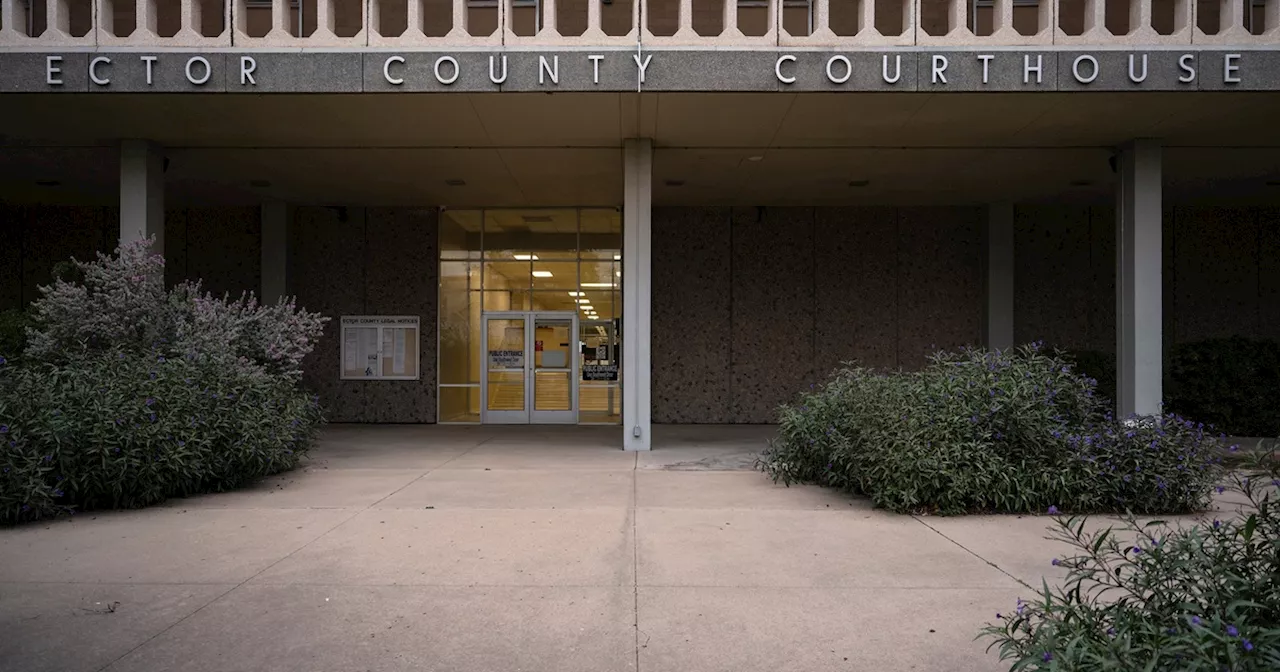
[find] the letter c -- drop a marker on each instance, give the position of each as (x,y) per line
(386,70)
(777,69)
(93,70)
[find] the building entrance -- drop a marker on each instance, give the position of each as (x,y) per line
(530,316)
(531,367)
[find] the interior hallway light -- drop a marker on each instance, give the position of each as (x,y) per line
(526,257)
(542,274)
(575,293)
(599,285)
(617,257)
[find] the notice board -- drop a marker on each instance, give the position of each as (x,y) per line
(379,347)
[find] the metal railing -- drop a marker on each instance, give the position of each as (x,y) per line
(856,24)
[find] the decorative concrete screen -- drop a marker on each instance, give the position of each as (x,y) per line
(379,347)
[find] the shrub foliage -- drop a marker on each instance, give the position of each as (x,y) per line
(1148,596)
(128,393)
(977,430)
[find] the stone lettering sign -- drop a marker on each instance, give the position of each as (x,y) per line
(639,70)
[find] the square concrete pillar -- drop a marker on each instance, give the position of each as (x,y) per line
(142,193)
(998,322)
(1139,298)
(275,251)
(637,264)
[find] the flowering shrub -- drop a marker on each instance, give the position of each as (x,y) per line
(1013,431)
(127,394)
(1152,597)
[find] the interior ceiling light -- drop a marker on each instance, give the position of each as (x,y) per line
(599,285)
(526,257)
(859,183)
(583,301)
(755,158)
(617,257)
(542,274)
(575,293)
(455,182)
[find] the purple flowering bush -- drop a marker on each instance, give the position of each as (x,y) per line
(1149,596)
(976,430)
(127,393)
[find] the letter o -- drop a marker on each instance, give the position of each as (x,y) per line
(386,70)
(93,70)
(848,69)
(208,71)
(1075,68)
(456,70)
(777,69)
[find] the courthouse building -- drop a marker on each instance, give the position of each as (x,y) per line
(634,212)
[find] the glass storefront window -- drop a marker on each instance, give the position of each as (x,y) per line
(552,260)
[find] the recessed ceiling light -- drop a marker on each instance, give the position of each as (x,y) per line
(617,257)
(575,293)
(48,183)
(598,285)
(675,183)
(455,182)
(583,301)
(859,183)
(755,158)
(526,257)
(542,274)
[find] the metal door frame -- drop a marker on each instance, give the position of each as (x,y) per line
(528,415)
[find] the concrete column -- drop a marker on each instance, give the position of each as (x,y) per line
(275,251)
(141,193)
(1138,286)
(998,326)
(637,225)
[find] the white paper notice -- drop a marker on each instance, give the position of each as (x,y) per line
(352,340)
(369,351)
(397,361)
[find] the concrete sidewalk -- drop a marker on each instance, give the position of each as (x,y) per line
(504,549)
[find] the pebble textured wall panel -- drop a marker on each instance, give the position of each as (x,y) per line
(51,234)
(1216,273)
(772,337)
(856,285)
(379,261)
(400,279)
(940,279)
(223,248)
(691,315)
(1050,244)
(327,276)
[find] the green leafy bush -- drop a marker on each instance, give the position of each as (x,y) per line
(1155,597)
(1229,383)
(128,394)
(1014,431)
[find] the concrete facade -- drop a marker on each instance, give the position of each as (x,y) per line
(750,305)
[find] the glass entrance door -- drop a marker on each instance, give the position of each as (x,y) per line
(530,368)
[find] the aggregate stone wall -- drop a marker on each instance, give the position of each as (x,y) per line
(367,261)
(752,305)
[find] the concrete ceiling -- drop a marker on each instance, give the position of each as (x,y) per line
(712,148)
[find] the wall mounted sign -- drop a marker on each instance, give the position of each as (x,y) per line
(379,347)
(600,372)
(1184,68)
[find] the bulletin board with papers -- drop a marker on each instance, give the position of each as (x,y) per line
(379,347)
